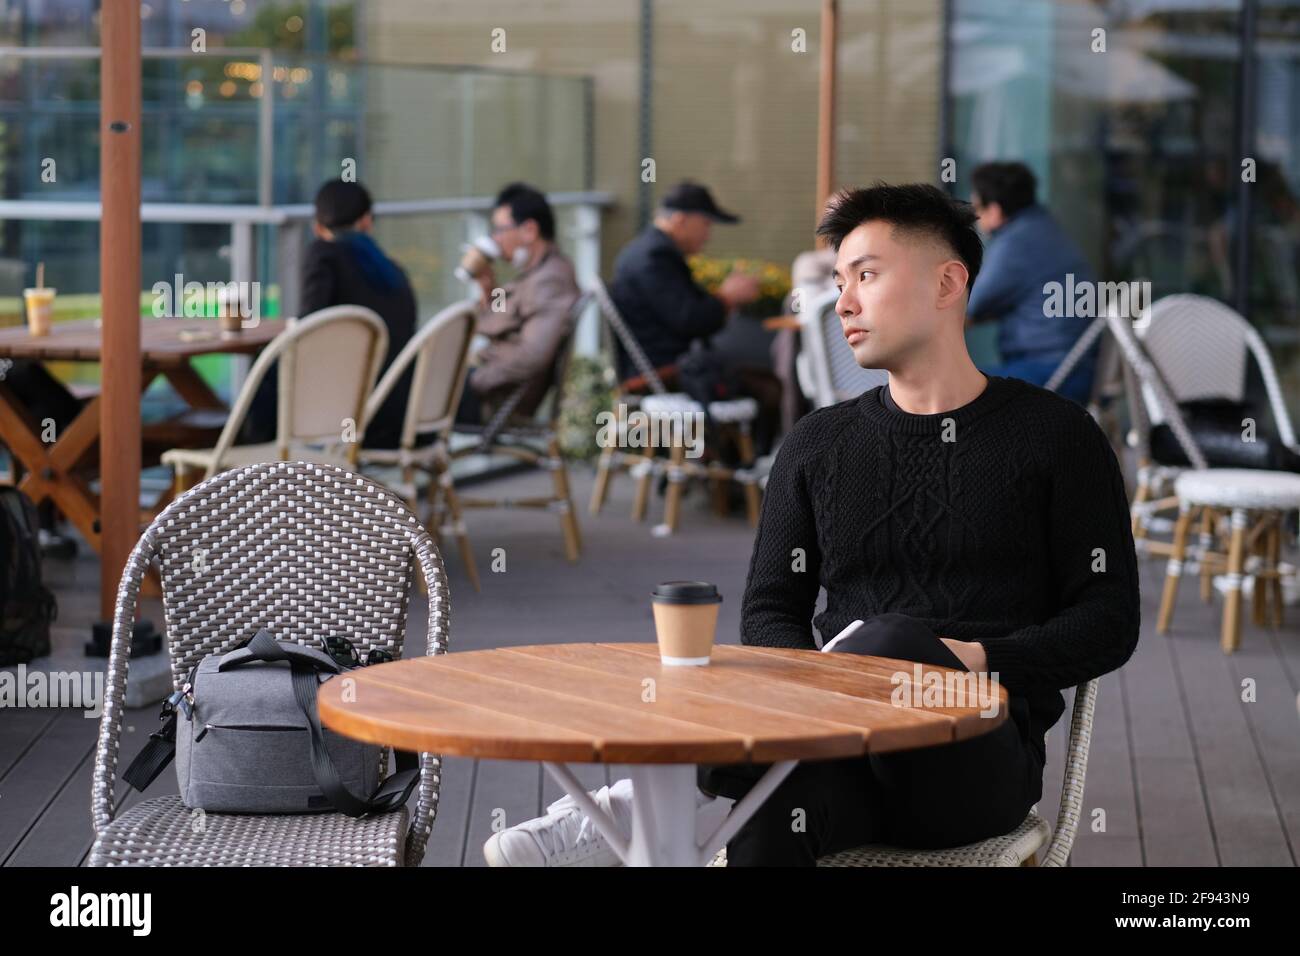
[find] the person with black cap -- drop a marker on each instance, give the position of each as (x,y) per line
(345,266)
(654,289)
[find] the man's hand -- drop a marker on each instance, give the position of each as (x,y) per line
(738,288)
(970,653)
(487,281)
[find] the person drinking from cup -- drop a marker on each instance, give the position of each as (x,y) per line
(969,521)
(526,319)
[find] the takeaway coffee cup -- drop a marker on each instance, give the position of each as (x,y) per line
(40,310)
(686,617)
(229,318)
(476,257)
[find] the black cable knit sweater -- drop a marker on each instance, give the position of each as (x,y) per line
(1013,532)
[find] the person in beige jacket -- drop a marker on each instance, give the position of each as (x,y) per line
(528,318)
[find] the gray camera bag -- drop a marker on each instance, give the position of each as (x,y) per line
(248,739)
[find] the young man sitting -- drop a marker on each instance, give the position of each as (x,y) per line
(972,521)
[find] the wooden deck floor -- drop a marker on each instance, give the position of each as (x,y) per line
(1182,772)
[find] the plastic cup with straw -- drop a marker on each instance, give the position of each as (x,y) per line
(40,304)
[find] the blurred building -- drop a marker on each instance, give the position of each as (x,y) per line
(1168,142)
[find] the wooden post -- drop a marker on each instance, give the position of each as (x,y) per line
(826,109)
(119,281)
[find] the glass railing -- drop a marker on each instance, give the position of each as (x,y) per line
(236,143)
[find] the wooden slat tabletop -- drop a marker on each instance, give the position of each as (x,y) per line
(615,703)
(162,341)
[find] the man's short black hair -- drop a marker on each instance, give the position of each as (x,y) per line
(526,203)
(340,204)
(1011,185)
(911,208)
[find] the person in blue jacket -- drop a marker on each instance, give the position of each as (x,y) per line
(1027,252)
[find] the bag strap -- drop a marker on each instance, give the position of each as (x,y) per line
(264,647)
(391,794)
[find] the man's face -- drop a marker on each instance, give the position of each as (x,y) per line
(510,235)
(692,232)
(889,285)
(990,214)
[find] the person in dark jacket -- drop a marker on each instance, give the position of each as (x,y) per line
(345,266)
(653,286)
(1027,252)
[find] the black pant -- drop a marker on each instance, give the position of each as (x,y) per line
(943,796)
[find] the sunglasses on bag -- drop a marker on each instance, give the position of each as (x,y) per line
(345,653)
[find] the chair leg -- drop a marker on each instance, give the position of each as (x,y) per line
(676,485)
(568,519)
(413,499)
(1275,559)
(1208,517)
(462,536)
(1259,592)
(752,503)
(1141,494)
(1231,630)
(601,488)
(643,484)
(1174,569)
(433,523)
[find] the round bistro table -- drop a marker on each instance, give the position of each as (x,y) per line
(616,703)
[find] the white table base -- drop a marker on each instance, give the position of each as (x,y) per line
(663,813)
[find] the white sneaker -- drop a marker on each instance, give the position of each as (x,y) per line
(565,836)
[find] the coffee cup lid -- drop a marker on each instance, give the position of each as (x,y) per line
(686,592)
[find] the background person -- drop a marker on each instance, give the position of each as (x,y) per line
(531,317)
(344,265)
(1026,250)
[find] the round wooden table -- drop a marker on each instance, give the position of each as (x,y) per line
(616,703)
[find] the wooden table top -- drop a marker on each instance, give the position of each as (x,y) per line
(595,703)
(162,341)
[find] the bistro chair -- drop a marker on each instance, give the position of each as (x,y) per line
(534,440)
(1244,507)
(306,551)
(327,363)
(828,373)
(1020,847)
(647,393)
(437,360)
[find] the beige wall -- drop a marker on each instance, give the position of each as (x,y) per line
(734,106)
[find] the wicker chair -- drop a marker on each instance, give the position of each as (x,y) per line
(534,441)
(828,372)
(737,414)
(304,550)
(1017,848)
(436,358)
(327,364)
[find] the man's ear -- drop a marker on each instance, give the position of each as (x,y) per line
(365,223)
(320,231)
(953,277)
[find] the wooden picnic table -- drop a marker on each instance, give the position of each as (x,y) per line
(616,703)
(53,470)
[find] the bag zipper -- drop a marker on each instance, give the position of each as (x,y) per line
(262,727)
